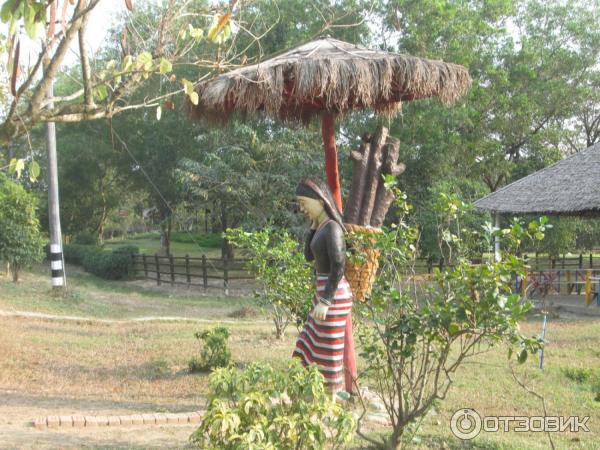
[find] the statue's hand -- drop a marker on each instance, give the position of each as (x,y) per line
(320,311)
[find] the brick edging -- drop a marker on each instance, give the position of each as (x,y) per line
(79,421)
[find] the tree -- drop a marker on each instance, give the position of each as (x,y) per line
(193,33)
(20,240)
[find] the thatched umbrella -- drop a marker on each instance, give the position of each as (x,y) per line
(570,187)
(327,77)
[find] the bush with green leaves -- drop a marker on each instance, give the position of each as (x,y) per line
(417,332)
(110,265)
(214,352)
(283,273)
(264,408)
(21,242)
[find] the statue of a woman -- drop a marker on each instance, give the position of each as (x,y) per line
(322,340)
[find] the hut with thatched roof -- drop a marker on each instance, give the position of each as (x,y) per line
(332,75)
(569,187)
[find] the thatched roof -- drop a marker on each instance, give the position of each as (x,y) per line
(569,187)
(327,74)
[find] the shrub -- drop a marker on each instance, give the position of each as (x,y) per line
(577,374)
(283,273)
(264,408)
(214,352)
(115,265)
(21,242)
(416,334)
(75,253)
(86,238)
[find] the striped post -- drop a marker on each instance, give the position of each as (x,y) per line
(56,266)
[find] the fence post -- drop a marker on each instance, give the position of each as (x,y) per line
(204,274)
(187,269)
(172,269)
(441,264)
(157,269)
(588,287)
(537,261)
(563,261)
(581,260)
(145,265)
(226,275)
(591,261)
(553,263)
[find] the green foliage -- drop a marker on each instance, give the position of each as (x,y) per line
(86,238)
(282,271)
(21,242)
(264,408)
(214,352)
(114,265)
(433,326)
(578,374)
(212,240)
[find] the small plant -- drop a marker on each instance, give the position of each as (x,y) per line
(155,369)
(577,374)
(283,273)
(214,352)
(264,408)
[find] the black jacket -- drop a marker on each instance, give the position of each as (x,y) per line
(327,247)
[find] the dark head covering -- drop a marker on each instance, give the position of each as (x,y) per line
(319,190)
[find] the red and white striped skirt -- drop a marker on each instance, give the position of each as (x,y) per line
(322,341)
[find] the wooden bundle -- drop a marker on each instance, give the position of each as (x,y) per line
(369,201)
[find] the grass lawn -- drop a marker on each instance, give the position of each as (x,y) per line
(51,366)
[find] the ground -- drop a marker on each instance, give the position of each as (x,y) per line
(104,349)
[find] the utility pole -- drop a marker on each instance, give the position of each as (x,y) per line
(56,254)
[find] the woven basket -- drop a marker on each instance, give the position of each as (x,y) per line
(361,276)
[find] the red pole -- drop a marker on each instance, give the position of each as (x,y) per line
(333,179)
(331,163)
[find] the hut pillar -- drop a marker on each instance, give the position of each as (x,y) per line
(497,238)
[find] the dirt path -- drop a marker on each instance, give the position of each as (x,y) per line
(37,315)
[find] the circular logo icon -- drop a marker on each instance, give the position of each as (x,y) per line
(465,424)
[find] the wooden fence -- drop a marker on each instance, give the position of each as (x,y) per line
(219,273)
(192,271)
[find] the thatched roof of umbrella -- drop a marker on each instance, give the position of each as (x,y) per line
(569,187)
(331,75)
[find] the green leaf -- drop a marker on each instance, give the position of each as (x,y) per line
(165,66)
(12,165)
(188,87)
(101,92)
(144,61)
(158,113)
(6,11)
(522,356)
(194,98)
(34,171)
(127,63)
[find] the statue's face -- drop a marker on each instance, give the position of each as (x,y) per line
(311,207)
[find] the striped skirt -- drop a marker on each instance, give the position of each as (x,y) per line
(322,341)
